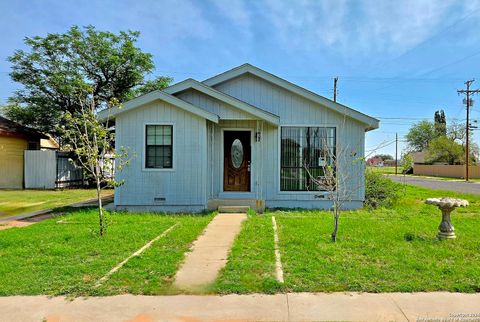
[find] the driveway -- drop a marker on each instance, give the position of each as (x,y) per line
(456,186)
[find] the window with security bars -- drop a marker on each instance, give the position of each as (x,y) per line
(159,146)
(305,153)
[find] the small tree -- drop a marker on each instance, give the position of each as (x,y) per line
(406,163)
(334,178)
(92,141)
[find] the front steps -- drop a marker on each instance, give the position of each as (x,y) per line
(233,209)
(236,205)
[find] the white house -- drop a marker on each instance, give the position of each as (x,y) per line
(242,137)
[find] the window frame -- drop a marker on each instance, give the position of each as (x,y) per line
(312,193)
(144,148)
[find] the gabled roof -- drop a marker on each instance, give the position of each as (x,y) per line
(14,129)
(153,96)
(372,123)
(241,105)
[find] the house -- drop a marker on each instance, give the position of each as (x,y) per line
(375,162)
(242,137)
(14,140)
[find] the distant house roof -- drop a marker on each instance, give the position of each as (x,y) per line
(14,129)
(419,157)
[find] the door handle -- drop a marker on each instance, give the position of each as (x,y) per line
(248,167)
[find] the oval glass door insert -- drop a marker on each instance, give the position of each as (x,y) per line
(236,153)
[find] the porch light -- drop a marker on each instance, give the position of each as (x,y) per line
(257,136)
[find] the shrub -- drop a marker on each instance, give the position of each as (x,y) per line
(380,191)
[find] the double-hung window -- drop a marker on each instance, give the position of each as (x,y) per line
(159,147)
(305,153)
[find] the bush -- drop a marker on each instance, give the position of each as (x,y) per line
(380,191)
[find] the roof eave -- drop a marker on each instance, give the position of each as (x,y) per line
(230,100)
(111,113)
(247,68)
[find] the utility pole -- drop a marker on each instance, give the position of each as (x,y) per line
(396,153)
(468,102)
(335,80)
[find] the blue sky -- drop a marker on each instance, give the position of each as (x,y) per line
(398,60)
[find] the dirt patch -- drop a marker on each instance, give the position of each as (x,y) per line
(14,223)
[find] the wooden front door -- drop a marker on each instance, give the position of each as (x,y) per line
(236,161)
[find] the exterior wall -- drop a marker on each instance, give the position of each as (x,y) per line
(40,169)
(224,111)
(184,186)
(452,171)
(11,162)
(296,110)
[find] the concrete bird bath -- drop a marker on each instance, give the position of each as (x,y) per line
(446,205)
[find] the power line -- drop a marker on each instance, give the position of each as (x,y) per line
(468,102)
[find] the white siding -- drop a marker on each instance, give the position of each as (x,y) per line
(198,158)
(184,187)
(223,110)
(296,110)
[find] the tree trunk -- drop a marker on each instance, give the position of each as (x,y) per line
(100,209)
(335,224)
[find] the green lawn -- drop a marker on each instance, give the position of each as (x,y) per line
(384,250)
(15,202)
(385,170)
(64,255)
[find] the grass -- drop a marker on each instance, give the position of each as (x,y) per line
(385,170)
(384,250)
(64,255)
(15,202)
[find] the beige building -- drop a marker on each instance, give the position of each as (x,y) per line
(14,140)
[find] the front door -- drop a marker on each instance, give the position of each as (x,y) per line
(236,161)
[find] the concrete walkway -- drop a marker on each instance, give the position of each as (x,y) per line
(440,306)
(209,252)
(28,219)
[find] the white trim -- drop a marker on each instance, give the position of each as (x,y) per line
(372,123)
(279,161)
(230,100)
(236,194)
(144,148)
(153,96)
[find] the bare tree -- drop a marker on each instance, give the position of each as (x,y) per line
(333,176)
(92,141)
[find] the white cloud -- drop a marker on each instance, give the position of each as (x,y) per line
(362,27)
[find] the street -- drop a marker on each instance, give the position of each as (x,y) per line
(456,186)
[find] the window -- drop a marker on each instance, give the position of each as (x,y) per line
(159,146)
(305,148)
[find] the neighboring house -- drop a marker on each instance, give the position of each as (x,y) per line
(375,162)
(14,140)
(419,157)
(239,138)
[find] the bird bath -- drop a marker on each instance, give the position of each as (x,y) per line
(446,205)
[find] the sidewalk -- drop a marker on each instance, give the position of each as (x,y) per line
(439,306)
(90,202)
